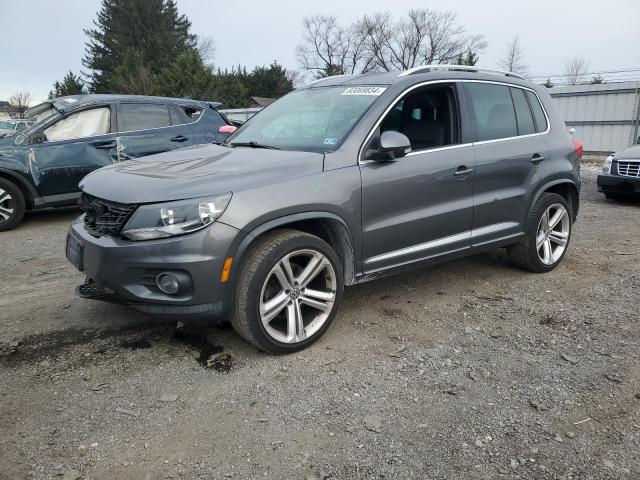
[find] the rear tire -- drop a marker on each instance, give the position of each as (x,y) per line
(544,246)
(288,291)
(12,205)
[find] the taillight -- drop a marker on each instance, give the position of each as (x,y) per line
(227,129)
(579,147)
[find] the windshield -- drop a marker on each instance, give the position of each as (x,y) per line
(316,119)
(7,125)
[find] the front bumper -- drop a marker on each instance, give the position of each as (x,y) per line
(125,272)
(618,184)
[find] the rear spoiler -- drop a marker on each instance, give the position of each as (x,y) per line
(215,105)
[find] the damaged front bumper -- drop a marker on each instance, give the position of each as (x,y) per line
(126,272)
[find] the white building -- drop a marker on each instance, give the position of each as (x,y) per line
(606,117)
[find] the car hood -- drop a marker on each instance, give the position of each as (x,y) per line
(197,171)
(629,153)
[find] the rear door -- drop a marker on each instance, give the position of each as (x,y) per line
(509,158)
(150,128)
(421,205)
(205,122)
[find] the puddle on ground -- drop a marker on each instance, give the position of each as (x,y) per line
(60,345)
(210,356)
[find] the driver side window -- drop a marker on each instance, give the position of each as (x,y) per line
(428,117)
(87,123)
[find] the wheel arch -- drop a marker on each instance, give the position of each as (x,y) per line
(328,226)
(29,192)
(564,187)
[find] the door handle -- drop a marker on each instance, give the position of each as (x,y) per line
(462,171)
(537,158)
(179,138)
(105,144)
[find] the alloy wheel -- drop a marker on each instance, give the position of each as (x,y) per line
(298,296)
(553,234)
(6,205)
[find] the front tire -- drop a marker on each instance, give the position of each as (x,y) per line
(12,205)
(547,235)
(288,291)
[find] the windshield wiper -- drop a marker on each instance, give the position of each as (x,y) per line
(253,144)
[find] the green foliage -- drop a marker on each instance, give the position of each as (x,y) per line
(271,81)
(153,29)
(71,84)
(470,58)
(144,47)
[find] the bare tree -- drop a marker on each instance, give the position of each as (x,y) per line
(206,47)
(378,42)
(20,102)
(513,59)
(327,48)
(425,37)
(575,70)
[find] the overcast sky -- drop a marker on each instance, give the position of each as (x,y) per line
(43,39)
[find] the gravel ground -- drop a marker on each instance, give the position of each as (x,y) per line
(469,370)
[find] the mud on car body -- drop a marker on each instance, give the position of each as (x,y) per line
(346,180)
(42,165)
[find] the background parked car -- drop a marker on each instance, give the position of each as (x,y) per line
(42,165)
(620,174)
(11,127)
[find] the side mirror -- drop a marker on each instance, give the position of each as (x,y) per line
(38,138)
(395,142)
(237,123)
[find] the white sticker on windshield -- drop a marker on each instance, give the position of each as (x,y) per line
(376,91)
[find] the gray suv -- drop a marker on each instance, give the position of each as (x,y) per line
(346,180)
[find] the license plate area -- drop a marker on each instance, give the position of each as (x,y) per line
(75,251)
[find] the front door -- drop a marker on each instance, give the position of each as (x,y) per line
(419,206)
(71,148)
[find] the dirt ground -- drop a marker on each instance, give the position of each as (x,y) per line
(469,370)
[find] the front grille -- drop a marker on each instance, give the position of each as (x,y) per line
(103,217)
(629,169)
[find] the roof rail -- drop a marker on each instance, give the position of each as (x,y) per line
(458,68)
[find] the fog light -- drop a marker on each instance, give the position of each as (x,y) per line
(167,283)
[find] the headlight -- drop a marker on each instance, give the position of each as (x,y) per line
(161,220)
(606,166)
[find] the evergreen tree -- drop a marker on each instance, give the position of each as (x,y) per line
(230,90)
(471,59)
(270,82)
(548,83)
(133,76)
(71,84)
(187,77)
(151,30)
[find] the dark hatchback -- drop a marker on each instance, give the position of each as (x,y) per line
(41,166)
(620,174)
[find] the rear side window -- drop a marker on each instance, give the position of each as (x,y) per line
(142,116)
(538,113)
(493,110)
(191,112)
(523,112)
